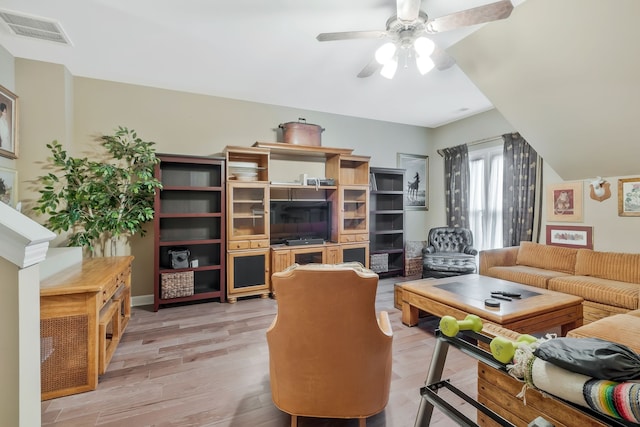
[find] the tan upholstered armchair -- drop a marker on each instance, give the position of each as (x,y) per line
(329,355)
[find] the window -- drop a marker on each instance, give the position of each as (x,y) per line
(485,197)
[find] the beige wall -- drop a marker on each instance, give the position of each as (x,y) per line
(74,110)
(56,105)
(44,90)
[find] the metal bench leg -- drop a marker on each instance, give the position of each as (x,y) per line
(423,419)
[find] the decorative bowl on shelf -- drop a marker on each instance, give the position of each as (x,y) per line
(243,171)
(246,176)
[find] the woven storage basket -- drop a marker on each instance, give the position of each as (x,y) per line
(174,285)
(379,263)
(413,266)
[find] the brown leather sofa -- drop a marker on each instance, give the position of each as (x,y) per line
(329,355)
(609,282)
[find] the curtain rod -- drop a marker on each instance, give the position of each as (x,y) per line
(476,142)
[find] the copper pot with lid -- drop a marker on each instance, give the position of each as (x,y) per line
(301,133)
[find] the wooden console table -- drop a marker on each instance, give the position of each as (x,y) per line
(84,310)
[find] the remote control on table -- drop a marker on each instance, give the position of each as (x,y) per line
(506,294)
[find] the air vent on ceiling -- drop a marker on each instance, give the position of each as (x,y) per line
(34,27)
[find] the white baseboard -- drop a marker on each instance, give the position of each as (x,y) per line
(141,300)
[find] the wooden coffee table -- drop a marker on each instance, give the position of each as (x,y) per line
(537,310)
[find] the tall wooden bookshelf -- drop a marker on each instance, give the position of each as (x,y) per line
(190,216)
(386,231)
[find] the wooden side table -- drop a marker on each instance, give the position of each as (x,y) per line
(84,310)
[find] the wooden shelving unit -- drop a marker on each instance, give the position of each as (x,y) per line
(386,233)
(248,256)
(248,233)
(190,215)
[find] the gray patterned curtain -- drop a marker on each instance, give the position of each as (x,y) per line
(456,179)
(522,191)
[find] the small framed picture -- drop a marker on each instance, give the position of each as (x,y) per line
(8,123)
(9,186)
(570,236)
(564,202)
(416,189)
(629,197)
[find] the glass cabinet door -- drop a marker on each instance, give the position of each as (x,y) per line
(248,211)
(355,210)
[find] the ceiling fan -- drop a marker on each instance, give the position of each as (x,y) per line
(407,36)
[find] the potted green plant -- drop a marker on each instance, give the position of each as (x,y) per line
(99,201)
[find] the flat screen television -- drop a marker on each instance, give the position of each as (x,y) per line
(300,219)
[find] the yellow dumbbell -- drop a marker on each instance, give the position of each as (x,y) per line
(504,349)
(450,326)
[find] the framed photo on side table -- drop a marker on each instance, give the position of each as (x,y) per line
(629,197)
(564,202)
(570,236)
(416,189)
(8,123)
(9,186)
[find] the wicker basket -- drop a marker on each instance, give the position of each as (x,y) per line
(174,285)
(413,266)
(379,263)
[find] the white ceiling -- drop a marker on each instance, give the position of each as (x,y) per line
(566,75)
(261,51)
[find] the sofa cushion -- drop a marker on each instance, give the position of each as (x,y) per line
(621,329)
(624,267)
(593,311)
(547,257)
(532,276)
(604,291)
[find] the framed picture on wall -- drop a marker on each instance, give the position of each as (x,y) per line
(416,189)
(629,197)
(9,186)
(8,123)
(564,201)
(570,236)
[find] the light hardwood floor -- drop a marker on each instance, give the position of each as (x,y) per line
(207,365)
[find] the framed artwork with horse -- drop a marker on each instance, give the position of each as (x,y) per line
(416,189)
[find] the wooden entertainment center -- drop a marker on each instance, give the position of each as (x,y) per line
(251,256)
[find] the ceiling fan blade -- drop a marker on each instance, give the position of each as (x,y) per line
(369,69)
(442,60)
(408,10)
(350,35)
(477,15)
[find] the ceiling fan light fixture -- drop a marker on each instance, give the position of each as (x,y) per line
(424,64)
(385,53)
(424,46)
(389,69)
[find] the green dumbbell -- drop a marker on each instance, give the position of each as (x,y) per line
(503,349)
(450,326)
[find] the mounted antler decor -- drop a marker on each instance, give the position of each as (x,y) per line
(600,189)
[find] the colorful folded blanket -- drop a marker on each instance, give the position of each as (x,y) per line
(619,400)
